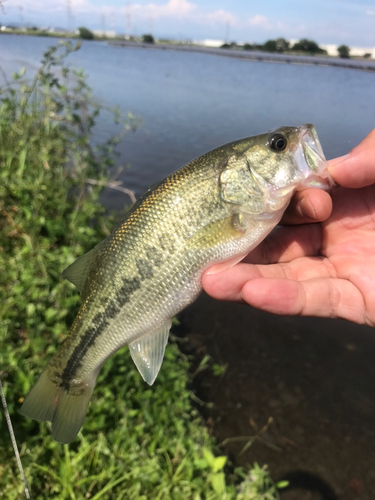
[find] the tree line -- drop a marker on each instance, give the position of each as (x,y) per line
(279,45)
(282,45)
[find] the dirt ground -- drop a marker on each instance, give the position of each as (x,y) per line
(303,387)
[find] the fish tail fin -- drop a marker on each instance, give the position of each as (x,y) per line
(65,407)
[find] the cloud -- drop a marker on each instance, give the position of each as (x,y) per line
(183,9)
(173,8)
(220,16)
(188,18)
(260,21)
(55,7)
(192,13)
(176,9)
(179,9)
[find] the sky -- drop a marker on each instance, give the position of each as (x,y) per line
(350,22)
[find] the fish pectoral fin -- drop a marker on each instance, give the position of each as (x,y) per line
(77,272)
(216,233)
(148,352)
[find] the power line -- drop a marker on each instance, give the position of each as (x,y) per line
(21,14)
(128,18)
(69,15)
(2,6)
(102,19)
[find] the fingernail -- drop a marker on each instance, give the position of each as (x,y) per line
(213,270)
(304,208)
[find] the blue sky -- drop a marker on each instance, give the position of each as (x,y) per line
(327,21)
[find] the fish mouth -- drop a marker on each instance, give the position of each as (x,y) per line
(312,161)
(312,149)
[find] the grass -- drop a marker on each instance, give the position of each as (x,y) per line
(137,442)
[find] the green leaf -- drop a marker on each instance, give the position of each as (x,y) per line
(282,484)
(209,456)
(50,314)
(201,463)
(21,161)
(218,482)
(30,308)
(219,463)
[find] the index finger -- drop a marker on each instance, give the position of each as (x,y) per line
(309,205)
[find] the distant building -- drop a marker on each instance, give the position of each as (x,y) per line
(210,43)
(354,51)
(331,49)
(107,34)
(361,51)
(59,30)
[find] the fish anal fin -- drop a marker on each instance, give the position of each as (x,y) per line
(148,352)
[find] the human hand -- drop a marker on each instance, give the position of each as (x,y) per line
(326,268)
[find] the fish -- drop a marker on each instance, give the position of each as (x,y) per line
(213,211)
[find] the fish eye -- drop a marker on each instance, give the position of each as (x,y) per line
(278,142)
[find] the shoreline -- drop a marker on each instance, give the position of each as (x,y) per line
(249,55)
(252,55)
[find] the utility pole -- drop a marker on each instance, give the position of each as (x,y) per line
(21,15)
(112,21)
(69,15)
(128,19)
(372,13)
(227,31)
(2,6)
(102,18)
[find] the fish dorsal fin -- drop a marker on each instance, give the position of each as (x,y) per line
(77,272)
(148,352)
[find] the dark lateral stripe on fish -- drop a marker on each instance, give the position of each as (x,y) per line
(145,269)
(153,259)
(99,323)
(154,256)
(126,291)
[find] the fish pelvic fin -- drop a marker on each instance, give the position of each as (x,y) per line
(148,352)
(64,406)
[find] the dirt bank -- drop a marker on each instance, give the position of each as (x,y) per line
(313,378)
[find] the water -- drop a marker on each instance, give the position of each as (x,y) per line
(190,103)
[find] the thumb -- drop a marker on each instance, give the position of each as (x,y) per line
(356,169)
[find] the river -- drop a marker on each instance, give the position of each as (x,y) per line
(190,103)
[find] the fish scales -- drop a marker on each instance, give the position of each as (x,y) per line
(162,230)
(212,211)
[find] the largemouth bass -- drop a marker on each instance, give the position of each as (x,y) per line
(214,210)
